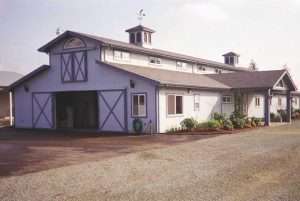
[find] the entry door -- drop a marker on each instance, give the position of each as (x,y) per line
(42,110)
(112,110)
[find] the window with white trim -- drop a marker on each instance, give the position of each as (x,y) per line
(197,103)
(139,104)
(227,99)
(175,105)
(181,65)
(154,60)
(279,101)
(121,55)
(257,101)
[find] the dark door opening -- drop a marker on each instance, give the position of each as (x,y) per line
(77,110)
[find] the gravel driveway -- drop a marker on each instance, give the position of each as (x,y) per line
(259,165)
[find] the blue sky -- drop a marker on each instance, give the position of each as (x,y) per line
(267,30)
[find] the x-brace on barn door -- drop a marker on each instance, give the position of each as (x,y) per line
(42,110)
(112,110)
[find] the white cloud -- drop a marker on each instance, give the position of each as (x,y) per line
(204,10)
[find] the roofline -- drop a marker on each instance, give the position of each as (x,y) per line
(131,73)
(28,76)
(45,49)
(195,87)
(286,72)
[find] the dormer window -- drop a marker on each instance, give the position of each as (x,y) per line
(155,60)
(132,38)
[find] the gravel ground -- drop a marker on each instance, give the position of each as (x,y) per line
(259,165)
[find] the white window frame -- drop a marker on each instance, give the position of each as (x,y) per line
(156,59)
(122,56)
(257,101)
(181,65)
(228,99)
(279,101)
(197,100)
(145,105)
(175,114)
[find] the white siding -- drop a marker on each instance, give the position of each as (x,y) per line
(210,102)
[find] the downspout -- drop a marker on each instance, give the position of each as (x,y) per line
(157,119)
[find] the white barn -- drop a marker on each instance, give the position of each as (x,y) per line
(103,84)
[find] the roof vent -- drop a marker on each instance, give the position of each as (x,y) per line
(140,35)
(231,58)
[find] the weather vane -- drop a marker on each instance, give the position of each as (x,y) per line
(141,15)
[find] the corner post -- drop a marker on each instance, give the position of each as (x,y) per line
(267,107)
(289,107)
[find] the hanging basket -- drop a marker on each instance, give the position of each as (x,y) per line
(137,125)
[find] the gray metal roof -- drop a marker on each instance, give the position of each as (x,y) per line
(171,78)
(142,50)
(255,79)
(8,77)
(237,80)
(140,28)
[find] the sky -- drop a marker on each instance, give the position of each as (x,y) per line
(266,31)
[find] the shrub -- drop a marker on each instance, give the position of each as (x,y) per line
(283,114)
(256,120)
(213,124)
(227,125)
(219,117)
(248,123)
(189,123)
(238,119)
(275,117)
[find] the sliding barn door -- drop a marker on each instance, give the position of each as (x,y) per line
(42,110)
(112,110)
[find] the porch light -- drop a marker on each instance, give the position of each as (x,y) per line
(132,84)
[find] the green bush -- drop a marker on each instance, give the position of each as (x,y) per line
(213,124)
(238,119)
(188,123)
(283,115)
(219,117)
(256,120)
(227,125)
(275,117)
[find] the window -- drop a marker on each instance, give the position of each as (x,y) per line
(145,37)
(74,43)
(132,38)
(139,105)
(201,67)
(139,37)
(155,60)
(197,102)
(149,38)
(121,55)
(180,65)
(74,67)
(279,101)
(175,105)
(219,71)
(227,99)
(257,101)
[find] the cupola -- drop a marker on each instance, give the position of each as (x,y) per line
(231,58)
(140,35)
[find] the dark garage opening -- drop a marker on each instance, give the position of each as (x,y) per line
(77,110)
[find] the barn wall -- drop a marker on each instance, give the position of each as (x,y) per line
(210,102)
(4,104)
(99,78)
